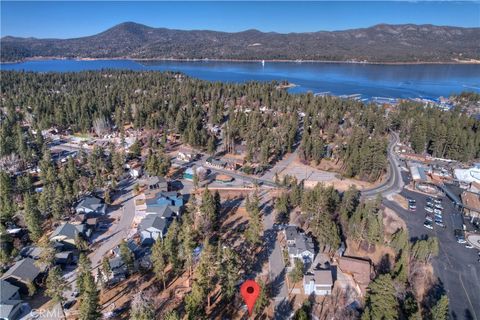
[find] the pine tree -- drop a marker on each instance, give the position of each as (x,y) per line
(206,270)
(56,286)
(142,308)
(195,301)
(229,272)
(106,269)
(263,298)
(159,260)
(381,300)
(89,299)
(172,315)
(127,255)
(32,217)
(440,309)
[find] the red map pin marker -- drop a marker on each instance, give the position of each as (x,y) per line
(250,291)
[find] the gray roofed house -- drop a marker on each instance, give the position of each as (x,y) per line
(92,205)
(318,283)
(131,245)
(152,227)
(8,291)
(118,267)
(299,245)
(22,273)
(10,301)
(156,182)
(291,233)
(66,233)
(164,211)
(33,252)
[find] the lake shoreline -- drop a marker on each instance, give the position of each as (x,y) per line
(454,62)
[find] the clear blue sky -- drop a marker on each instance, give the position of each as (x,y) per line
(74,19)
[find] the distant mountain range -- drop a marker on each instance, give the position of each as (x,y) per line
(381,43)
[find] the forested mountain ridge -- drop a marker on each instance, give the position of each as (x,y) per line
(380,43)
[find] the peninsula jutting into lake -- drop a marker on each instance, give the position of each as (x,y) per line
(429,81)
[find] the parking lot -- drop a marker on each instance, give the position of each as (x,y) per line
(456,266)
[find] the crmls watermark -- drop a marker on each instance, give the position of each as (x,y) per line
(46,314)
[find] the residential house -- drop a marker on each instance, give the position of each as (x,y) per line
(360,270)
(22,273)
(171,198)
(299,245)
(135,168)
(118,267)
(64,258)
(164,211)
(156,183)
(186,154)
(132,246)
(215,163)
(91,205)
(232,164)
(65,235)
(151,228)
(10,301)
(319,283)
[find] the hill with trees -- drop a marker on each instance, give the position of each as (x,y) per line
(380,43)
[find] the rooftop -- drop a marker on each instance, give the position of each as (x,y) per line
(25,269)
(471,200)
(320,277)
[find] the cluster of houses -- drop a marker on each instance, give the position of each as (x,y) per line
(155,209)
(322,272)
(28,271)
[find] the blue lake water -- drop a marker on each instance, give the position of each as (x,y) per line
(393,81)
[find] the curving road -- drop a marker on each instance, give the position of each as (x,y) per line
(394,182)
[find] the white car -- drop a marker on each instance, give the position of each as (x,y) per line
(468,246)
(428,209)
(439,206)
(437,211)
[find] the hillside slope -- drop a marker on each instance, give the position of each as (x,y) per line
(380,43)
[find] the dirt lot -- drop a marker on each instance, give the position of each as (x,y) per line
(313,176)
(392,222)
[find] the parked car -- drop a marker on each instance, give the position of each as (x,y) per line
(428,218)
(437,211)
(438,200)
(459,235)
(439,223)
(468,246)
(427,224)
(428,209)
(438,206)
(69,304)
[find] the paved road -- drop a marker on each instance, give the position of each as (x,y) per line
(125,212)
(276,265)
(456,266)
(394,182)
